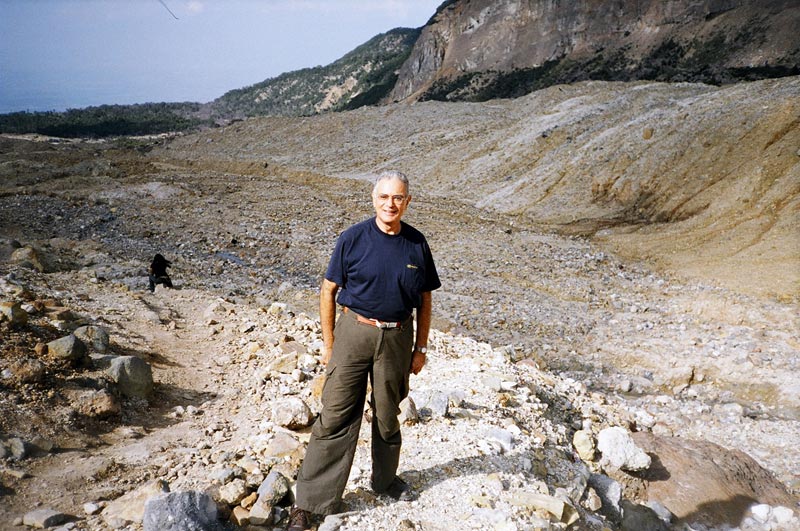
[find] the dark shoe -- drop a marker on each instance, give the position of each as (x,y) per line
(398,490)
(298,520)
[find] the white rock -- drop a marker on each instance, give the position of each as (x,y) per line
(619,451)
(761,512)
(584,444)
(292,413)
(277,308)
(307,362)
(502,437)
(247,327)
(560,509)
(782,515)
(408,412)
(332,522)
(283,363)
(130,507)
(233,492)
(733,410)
(91,508)
(592,500)
(643,418)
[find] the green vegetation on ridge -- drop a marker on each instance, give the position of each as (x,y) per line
(362,77)
(107,120)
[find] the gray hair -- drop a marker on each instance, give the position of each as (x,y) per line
(391,174)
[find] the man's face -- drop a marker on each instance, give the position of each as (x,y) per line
(390,199)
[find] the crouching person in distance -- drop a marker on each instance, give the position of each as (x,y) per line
(158,272)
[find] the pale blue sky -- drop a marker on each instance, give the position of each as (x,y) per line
(59,54)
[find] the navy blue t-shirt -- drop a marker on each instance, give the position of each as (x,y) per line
(382,276)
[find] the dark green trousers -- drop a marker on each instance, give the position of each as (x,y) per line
(360,351)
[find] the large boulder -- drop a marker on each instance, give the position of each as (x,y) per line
(93,336)
(181,511)
(703,483)
(133,376)
(68,348)
(129,508)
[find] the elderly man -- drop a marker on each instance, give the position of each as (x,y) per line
(382,270)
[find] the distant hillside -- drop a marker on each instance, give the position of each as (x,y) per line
(108,120)
(362,77)
(479,50)
(476,50)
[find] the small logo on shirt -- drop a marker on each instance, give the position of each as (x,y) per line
(411,266)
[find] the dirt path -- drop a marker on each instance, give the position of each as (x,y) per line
(167,329)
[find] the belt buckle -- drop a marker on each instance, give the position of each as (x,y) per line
(383,325)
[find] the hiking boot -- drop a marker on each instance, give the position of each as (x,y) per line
(298,520)
(398,490)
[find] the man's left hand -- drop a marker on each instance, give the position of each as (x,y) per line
(417,362)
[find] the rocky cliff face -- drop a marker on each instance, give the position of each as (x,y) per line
(480,49)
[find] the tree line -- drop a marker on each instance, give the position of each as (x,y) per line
(107,120)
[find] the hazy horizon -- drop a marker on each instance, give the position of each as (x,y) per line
(63,54)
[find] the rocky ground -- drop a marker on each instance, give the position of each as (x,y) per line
(539,335)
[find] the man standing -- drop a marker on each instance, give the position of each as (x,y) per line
(382,270)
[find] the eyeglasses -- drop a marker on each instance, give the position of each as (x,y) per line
(396,199)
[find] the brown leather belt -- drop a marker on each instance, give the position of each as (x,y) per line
(374,322)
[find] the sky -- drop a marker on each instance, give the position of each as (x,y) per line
(70,54)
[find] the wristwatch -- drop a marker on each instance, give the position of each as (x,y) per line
(421,350)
